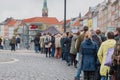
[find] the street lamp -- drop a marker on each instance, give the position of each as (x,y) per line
(26,35)
(64,15)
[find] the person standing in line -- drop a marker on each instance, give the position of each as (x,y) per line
(96,37)
(73,51)
(42,43)
(58,46)
(116,57)
(47,41)
(53,45)
(66,44)
(70,41)
(89,50)
(62,46)
(77,46)
(102,55)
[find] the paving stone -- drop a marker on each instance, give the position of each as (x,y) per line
(32,66)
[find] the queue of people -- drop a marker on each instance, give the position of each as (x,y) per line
(85,50)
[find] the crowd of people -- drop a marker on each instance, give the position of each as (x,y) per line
(86,50)
(10,44)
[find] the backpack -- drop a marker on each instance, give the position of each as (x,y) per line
(46,41)
(109,56)
(18,40)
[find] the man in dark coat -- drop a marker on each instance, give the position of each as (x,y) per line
(36,43)
(66,45)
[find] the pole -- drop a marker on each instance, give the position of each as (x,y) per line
(64,15)
(27,36)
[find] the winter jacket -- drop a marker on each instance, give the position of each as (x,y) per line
(102,54)
(66,44)
(36,41)
(97,39)
(79,41)
(89,55)
(48,40)
(73,50)
(57,42)
(62,44)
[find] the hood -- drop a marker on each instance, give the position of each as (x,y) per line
(88,41)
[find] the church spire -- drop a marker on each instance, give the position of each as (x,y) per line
(45,9)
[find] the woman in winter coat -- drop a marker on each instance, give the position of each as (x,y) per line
(58,46)
(89,56)
(102,55)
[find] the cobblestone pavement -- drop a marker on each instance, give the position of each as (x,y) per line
(32,66)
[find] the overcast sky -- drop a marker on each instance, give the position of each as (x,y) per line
(21,9)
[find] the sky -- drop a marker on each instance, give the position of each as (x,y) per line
(23,9)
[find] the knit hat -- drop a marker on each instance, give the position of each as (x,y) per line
(85,28)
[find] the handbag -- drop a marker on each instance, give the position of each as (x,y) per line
(108,61)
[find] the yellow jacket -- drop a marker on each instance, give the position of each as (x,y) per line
(102,54)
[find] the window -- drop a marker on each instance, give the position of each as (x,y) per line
(11,32)
(113,8)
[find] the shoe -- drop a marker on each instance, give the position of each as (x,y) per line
(68,64)
(75,66)
(76,78)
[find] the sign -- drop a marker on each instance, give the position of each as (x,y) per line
(33,27)
(74,30)
(110,29)
(90,23)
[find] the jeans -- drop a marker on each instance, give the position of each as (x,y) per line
(53,51)
(66,56)
(79,65)
(105,78)
(36,48)
(12,47)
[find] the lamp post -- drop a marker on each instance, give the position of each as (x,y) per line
(26,35)
(64,15)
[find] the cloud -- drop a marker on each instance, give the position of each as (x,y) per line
(31,8)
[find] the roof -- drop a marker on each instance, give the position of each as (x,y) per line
(51,30)
(11,22)
(48,20)
(77,23)
(67,21)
